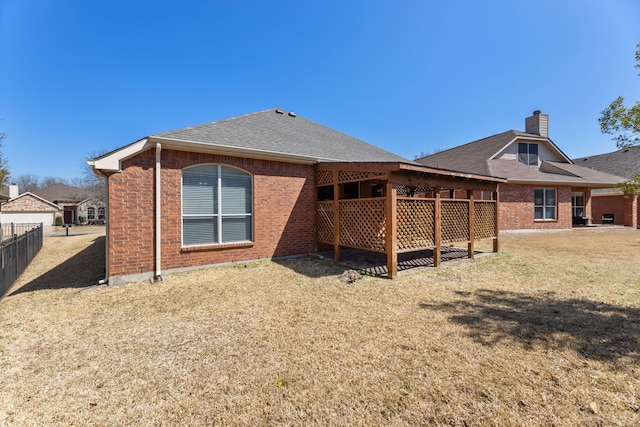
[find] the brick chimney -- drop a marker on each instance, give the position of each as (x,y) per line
(537,124)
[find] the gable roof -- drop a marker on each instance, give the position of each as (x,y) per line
(624,162)
(478,157)
(53,207)
(271,134)
(63,193)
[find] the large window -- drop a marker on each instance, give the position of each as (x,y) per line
(101,213)
(91,214)
(216,205)
(545,205)
(528,153)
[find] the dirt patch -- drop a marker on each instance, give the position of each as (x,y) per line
(543,333)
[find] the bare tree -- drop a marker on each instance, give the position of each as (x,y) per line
(27,182)
(4,165)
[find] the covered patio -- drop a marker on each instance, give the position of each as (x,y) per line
(398,208)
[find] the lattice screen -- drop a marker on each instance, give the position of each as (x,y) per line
(415,224)
(324,222)
(324,177)
(484,219)
(455,221)
(362,224)
(344,176)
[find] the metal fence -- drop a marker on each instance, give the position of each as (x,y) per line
(17,251)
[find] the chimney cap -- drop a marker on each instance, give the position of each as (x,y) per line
(536,112)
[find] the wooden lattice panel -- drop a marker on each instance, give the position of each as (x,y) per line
(324,222)
(346,176)
(415,224)
(484,220)
(454,221)
(324,177)
(362,224)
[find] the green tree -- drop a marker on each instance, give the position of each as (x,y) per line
(4,166)
(630,187)
(622,121)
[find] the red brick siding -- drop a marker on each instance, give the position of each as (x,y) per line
(283,213)
(517,203)
(626,210)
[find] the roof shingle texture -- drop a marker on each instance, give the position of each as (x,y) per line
(276,131)
(476,157)
(624,162)
(63,193)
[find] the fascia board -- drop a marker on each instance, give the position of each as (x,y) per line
(111,162)
(200,147)
(554,183)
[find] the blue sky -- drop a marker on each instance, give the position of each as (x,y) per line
(80,76)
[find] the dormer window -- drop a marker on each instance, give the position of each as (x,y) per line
(528,153)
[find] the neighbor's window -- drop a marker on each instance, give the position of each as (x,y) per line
(91,213)
(216,205)
(577,204)
(101,214)
(545,203)
(528,153)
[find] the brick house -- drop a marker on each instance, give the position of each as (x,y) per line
(73,205)
(544,188)
(77,204)
(248,188)
(624,162)
(28,208)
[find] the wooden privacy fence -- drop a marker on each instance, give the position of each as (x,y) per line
(363,223)
(16,253)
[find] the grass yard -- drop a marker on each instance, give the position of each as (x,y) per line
(547,332)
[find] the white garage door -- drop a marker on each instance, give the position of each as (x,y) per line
(27,218)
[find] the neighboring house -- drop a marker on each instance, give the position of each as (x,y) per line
(271,184)
(544,188)
(626,163)
(69,203)
(28,208)
(77,204)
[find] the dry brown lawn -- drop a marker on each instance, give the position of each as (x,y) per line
(547,332)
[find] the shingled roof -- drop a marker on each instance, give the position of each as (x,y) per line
(477,157)
(624,162)
(278,132)
(60,192)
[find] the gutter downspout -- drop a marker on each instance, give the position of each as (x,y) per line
(157,277)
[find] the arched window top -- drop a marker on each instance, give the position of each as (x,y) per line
(217,205)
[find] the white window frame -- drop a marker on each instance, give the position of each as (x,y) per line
(544,206)
(91,213)
(528,154)
(219,216)
(574,206)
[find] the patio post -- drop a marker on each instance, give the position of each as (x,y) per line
(391,232)
(336,217)
(471,225)
(496,241)
(437,224)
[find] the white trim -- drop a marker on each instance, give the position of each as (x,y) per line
(536,139)
(111,161)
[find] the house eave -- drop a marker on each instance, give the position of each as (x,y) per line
(227,150)
(564,183)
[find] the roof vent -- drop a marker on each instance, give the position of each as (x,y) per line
(279,111)
(292,114)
